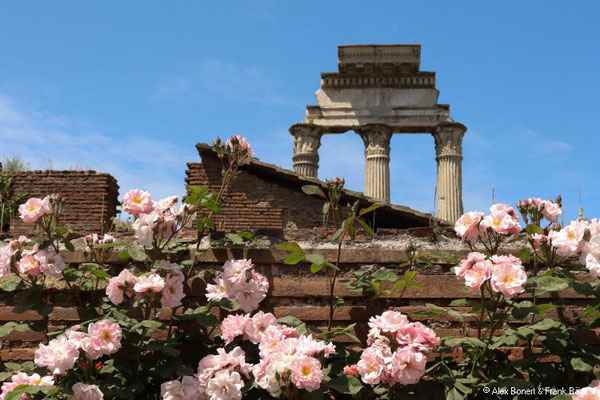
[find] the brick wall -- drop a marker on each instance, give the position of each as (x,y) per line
(266,197)
(91,198)
(294,291)
(255,203)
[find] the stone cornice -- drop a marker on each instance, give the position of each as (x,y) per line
(424,80)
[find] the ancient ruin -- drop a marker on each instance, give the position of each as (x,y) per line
(379,91)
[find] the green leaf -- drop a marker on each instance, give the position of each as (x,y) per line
(315,258)
(365,226)
(290,321)
(314,190)
(100,274)
(235,238)
(61,230)
(533,229)
(229,304)
(459,303)
(579,365)
(345,384)
(314,268)
(11,284)
(138,253)
(147,324)
(367,210)
(551,283)
(290,246)
(69,246)
(123,255)
(293,258)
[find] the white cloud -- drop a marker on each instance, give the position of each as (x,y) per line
(154,165)
(226,80)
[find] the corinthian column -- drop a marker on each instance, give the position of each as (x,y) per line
(307,140)
(377,160)
(448,148)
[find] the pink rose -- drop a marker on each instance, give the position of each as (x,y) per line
(477,274)
(32,210)
(551,211)
(306,373)
(149,283)
(59,355)
(569,240)
(408,366)
(508,276)
(104,338)
(136,202)
(465,265)
(467,226)
(234,325)
(120,285)
(370,367)
(83,391)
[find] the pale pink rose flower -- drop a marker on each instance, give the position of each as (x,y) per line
(408,366)
(217,291)
(164,205)
(50,262)
(172,390)
(249,296)
(594,227)
(466,264)
(32,210)
(418,336)
(238,143)
(477,274)
(29,265)
(59,355)
(172,293)
(225,385)
(149,283)
(508,278)
(258,325)
(75,336)
(570,239)
(261,281)
(501,222)
(136,202)
(504,208)
(376,339)
(551,211)
(83,391)
(143,228)
(121,285)
(587,393)
(104,338)
(272,336)
(236,271)
(192,389)
(467,226)
(389,321)
(234,325)
(309,346)
(371,366)
(5,259)
(538,239)
(306,373)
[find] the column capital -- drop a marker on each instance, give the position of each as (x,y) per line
(307,138)
(448,139)
(376,138)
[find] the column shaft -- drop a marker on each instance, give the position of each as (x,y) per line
(448,146)
(377,161)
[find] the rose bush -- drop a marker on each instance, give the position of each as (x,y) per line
(139,337)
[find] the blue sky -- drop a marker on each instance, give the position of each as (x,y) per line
(130,87)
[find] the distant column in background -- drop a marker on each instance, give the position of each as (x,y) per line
(377,160)
(307,140)
(448,147)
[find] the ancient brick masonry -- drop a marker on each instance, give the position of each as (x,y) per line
(268,198)
(91,198)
